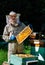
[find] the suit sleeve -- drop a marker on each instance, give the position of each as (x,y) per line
(5,35)
(23,25)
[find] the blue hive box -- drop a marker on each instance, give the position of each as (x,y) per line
(23,59)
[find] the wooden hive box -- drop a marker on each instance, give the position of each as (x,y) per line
(22,59)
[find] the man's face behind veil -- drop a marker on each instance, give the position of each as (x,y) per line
(13,18)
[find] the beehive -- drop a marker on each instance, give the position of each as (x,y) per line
(22,59)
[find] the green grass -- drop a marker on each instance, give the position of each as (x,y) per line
(3,56)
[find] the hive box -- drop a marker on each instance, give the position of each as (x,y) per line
(22,59)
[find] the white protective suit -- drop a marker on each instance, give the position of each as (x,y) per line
(13,47)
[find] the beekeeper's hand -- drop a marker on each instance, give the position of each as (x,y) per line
(12,37)
(30,25)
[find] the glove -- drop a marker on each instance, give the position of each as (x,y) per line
(12,37)
(30,25)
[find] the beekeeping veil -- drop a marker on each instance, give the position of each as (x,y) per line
(13,13)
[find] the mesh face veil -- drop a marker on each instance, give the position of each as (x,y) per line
(11,14)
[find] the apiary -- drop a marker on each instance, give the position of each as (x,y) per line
(23,59)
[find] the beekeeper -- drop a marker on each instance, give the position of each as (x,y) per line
(10,31)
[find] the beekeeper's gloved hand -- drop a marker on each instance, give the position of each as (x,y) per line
(30,25)
(12,37)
